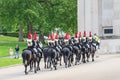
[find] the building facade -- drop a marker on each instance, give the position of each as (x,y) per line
(99,16)
(103,18)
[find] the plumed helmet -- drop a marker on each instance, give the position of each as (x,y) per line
(29,35)
(35,36)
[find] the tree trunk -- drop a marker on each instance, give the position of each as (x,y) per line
(20,33)
(30,28)
(41,36)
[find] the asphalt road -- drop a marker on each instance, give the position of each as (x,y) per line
(105,67)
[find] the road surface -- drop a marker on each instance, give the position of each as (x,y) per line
(105,67)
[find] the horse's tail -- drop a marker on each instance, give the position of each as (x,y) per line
(26,56)
(75,49)
(65,51)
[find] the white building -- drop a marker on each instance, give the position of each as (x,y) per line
(103,18)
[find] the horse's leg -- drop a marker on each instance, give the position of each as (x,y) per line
(26,69)
(54,63)
(39,62)
(35,70)
(72,59)
(45,62)
(60,60)
(31,65)
(65,60)
(79,57)
(87,54)
(76,59)
(84,57)
(69,61)
(93,56)
(37,65)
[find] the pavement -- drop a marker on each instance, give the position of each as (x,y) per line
(105,67)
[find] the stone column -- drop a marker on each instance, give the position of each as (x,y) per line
(100,32)
(88,16)
(81,15)
(94,16)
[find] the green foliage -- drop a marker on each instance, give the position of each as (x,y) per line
(44,15)
(9,61)
(9,42)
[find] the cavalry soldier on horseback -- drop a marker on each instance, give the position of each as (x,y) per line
(51,38)
(57,46)
(92,40)
(37,48)
(30,42)
(85,40)
(97,40)
(68,42)
(77,40)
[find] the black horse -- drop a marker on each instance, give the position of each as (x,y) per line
(50,57)
(38,52)
(67,56)
(29,59)
(77,52)
(85,50)
(45,52)
(92,49)
(58,47)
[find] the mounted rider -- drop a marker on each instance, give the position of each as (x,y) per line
(85,40)
(97,40)
(68,42)
(66,39)
(57,46)
(30,43)
(76,37)
(92,40)
(51,38)
(37,48)
(79,39)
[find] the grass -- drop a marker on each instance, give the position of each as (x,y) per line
(4,39)
(7,42)
(9,61)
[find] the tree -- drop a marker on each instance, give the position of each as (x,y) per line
(42,16)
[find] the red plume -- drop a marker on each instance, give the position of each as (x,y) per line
(90,34)
(49,37)
(52,36)
(80,35)
(35,36)
(29,35)
(84,35)
(56,36)
(76,35)
(67,36)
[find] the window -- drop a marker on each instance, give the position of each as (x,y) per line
(108,31)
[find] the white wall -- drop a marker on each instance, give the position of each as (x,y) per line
(110,46)
(88,16)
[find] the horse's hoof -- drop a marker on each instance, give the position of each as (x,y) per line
(60,64)
(75,63)
(26,73)
(84,61)
(31,70)
(65,66)
(45,67)
(35,71)
(55,68)
(51,68)
(87,60)
(92,60)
